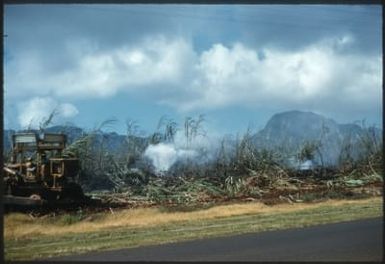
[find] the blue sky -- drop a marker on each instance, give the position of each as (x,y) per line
(236,64)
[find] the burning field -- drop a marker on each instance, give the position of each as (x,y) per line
(179,184)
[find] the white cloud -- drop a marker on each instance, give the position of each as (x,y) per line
(173,73)
(316,75)
(68,110)
(154,61)
(36,110)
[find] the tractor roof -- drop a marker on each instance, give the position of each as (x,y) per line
(35,141)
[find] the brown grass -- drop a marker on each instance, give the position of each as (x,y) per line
(18,225)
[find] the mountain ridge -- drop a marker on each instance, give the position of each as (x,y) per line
(292,129)
(285,130)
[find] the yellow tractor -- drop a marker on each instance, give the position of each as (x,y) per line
(39,173)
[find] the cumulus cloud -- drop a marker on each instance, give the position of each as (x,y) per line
(67,110)
(36,110)
(153,61)
(173,73)
(240,75)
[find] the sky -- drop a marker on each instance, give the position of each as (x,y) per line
(235,64)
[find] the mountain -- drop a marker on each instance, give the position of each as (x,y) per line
(112,142)
(294,126)
(120,144)
(286,131)
(289,131)
(73,133)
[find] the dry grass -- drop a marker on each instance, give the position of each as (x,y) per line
(47,237)
(18,225)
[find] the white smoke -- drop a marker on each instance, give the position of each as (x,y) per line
(163,156)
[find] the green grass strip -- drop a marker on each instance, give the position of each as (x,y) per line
(48,246)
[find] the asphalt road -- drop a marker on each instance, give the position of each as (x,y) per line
(348,241)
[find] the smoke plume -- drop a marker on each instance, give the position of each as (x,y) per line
(198,150)
(163,156)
